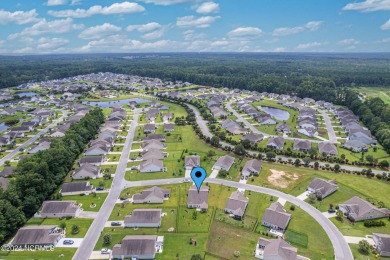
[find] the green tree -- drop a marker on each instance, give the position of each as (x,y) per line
(297,162)
(364,246)
(316,165)
(337,167)
(271,156)
(239,149)
(370,158)
(107,238)
(312,198)
(215,141)
(196,257)
(384,164)
(194,215)
(339,215)
(62,225)
(75,229)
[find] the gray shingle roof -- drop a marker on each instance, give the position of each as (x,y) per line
(76,187)
(35,235)
(58,207)
(276,215)
(144,216)
(136,246)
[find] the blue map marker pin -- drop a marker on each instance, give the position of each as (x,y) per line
(198,175)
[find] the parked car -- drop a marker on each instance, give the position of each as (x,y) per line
(133,159)
(116,224)
(68,242)
(99,188)
(134,168)
(105,251)
(331,211)
(123,198)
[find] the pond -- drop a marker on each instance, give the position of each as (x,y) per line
(278,114)
(116,102)
(3,127)
(27,94)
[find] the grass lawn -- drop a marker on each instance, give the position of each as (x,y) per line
(225,239)
(86,201)
(117,148)
(83,223)
(303,227)
(359,256)
(57,253)
(358,184)
(358,229)
(193,221)
(113,157)
(108,169)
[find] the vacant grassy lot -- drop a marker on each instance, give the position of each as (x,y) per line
(358,229)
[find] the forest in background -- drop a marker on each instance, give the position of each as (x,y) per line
(326,76)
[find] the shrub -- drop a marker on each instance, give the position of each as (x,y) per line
(374,223)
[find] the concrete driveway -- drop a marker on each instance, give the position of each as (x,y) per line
(108,223)
(214,174)
(188,174)
(98,255)
(88,214)
(76,244)
(356,240)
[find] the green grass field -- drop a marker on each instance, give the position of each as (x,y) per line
(87,201)
(57,253)
(84,224)
(382,93)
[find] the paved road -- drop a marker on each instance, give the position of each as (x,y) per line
(203,126)
(331,134)
(33,139)
(92,236)
(257,131)
(340,246)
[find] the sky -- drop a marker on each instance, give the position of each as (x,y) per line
(86,26)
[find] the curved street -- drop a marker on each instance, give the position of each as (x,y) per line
(340,246)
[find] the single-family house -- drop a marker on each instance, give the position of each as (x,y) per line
(276,142)
(265,119)
(152,196)
(37,236)
(76,188)
(153,154)
(94,160)
(191,161)
(253,138)
(355,146)
(224,162)
(198,200)
(97,150)
(283,127)
(302,145)
(39,147)
(236,205)
(141,218)
(4,183)
(4,141)
(7,171)
(251,167)
(137,247)
(276,218)
(322,187)
(276,249)
(382,244)
(59,209)
(149,128)
(87,171)
(327,148)
(169,127)
(153,144)
(357,209)
(152,165)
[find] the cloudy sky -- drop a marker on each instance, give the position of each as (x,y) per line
(81,26)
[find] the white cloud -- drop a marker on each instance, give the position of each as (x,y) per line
(191,35)
(386,25)
(219,43)
(386,40)
(116,8)
(51,43)
(348,42)
(368,6)
(76,2)
(118,43)
(154,35)
(144,27)
(18,17)
(279,49)
(192,21)
(309,45)
(24,50)
(207,8)
(284,31)
(99,31)
(45,27)
(168,2)
(56,2)
(245,32)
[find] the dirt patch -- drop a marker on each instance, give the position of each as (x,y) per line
(282,179)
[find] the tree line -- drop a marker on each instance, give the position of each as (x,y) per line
(38,176)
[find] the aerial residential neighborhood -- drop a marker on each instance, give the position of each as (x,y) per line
(195,130)
(134,173)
